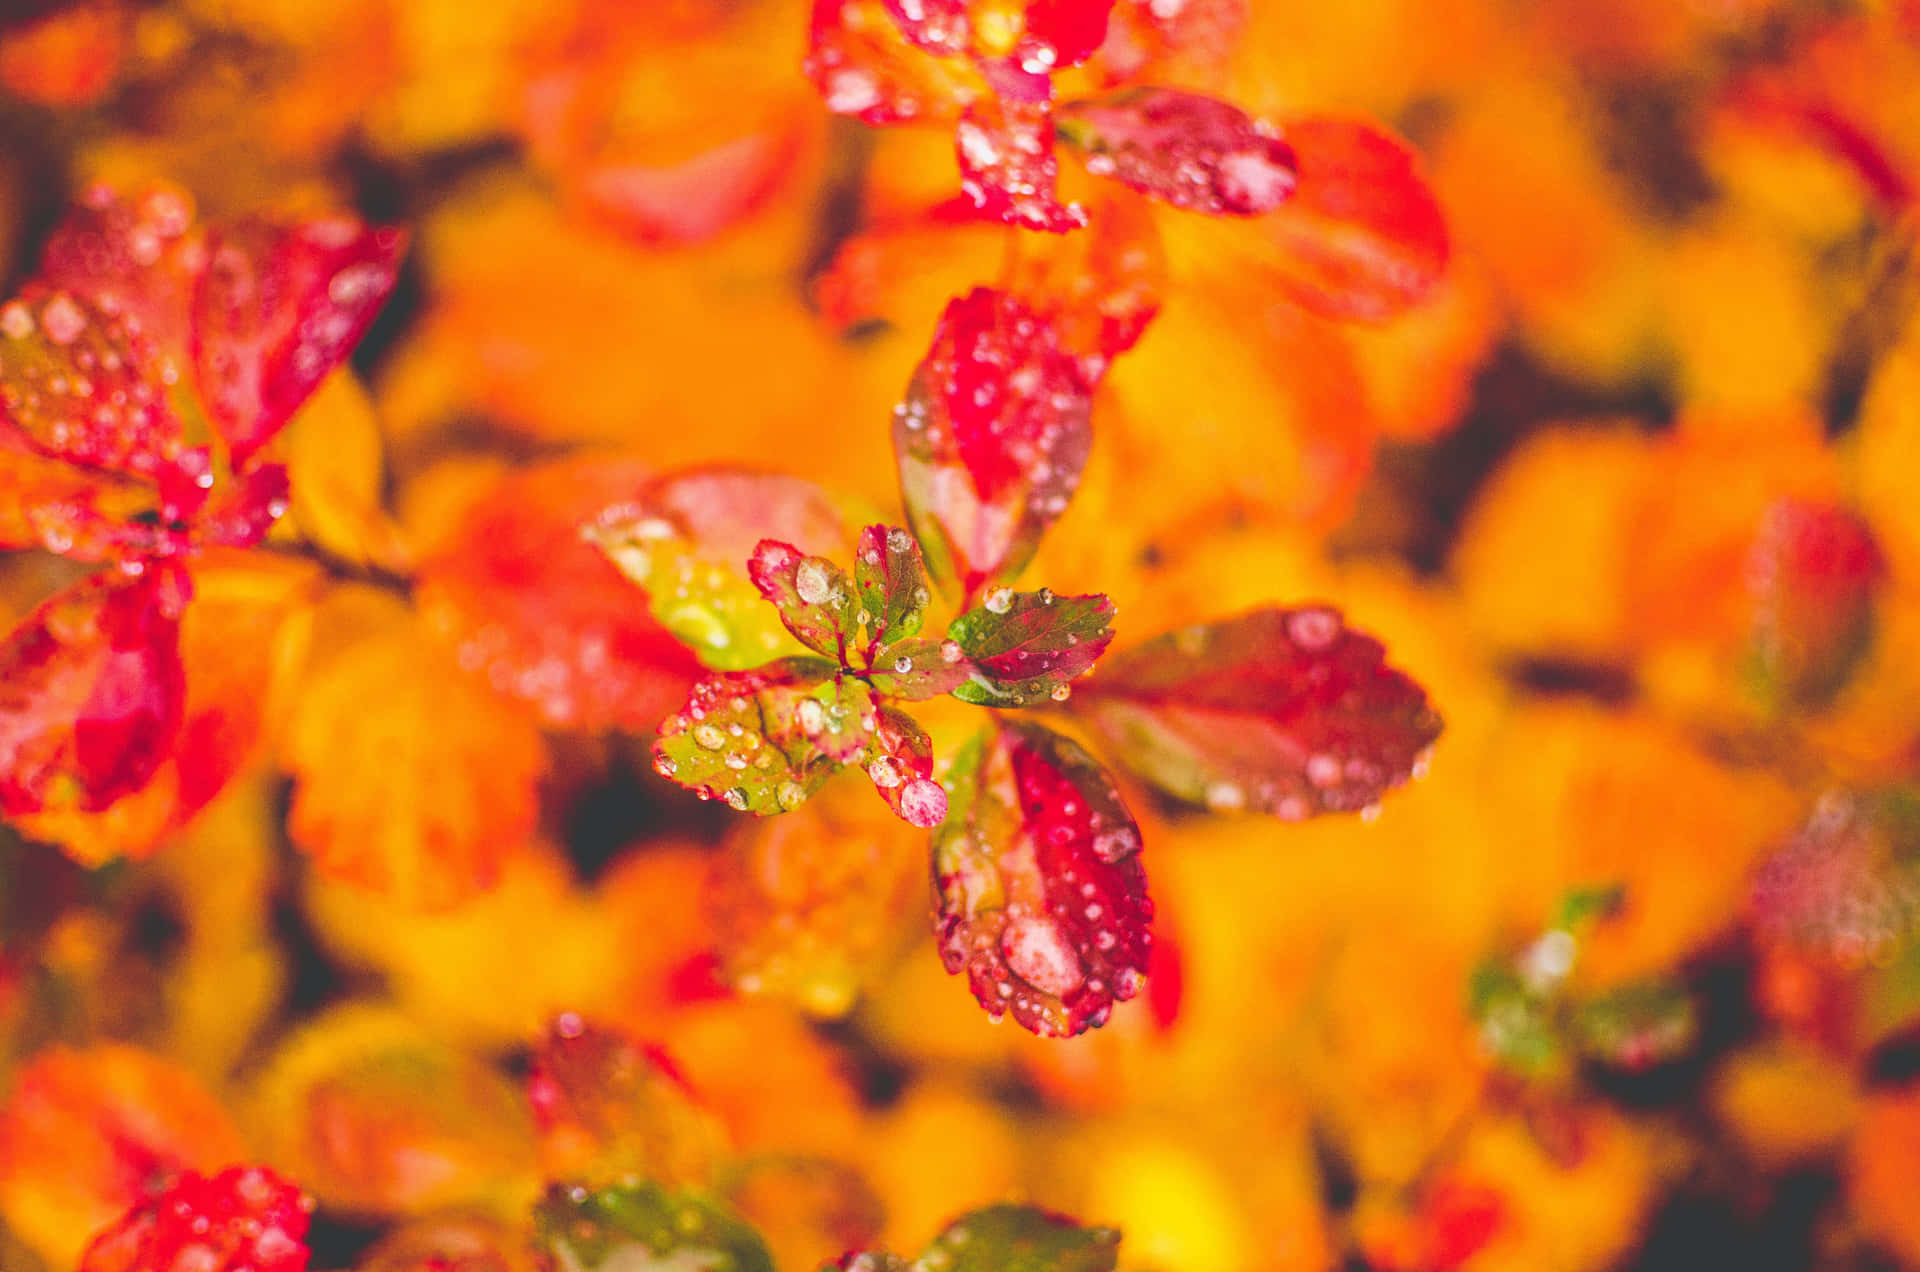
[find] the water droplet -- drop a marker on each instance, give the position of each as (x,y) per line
(1040,954)
(16,321)
(63,320)
(736,798)
(1225,797)
(924,803)
(903,664)
(1313,629)
(790,795)
(709,737)
(1061,693)
(812,716)
(1323,771)
(665,765)
(885,772)
(998,601)
(950,651)
(899,540)
(812,581)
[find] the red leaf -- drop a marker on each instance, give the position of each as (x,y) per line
(245,1218)
(1279,711)
(1062,33)
(764,741)
(814,596)
(891,580)
(1814,571)
(1192,151)
(543,614)
(1362,237)
(991,440)
(80,385)
(1042,899)
(939,27)
(1840,890)
(1100,289)
(1025,646)
(91,692)
(132,257)
(900,766)
(279,307)
(1008,167)
(864,66)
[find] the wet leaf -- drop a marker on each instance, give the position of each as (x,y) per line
(1814,572)
(991,440)
(609,1108)
(1844,889)
(1042,901)
(79,385)
(865,66)
(763,741)
(1023,647)
(93,693)
(641,1227)
(278,308)
(915,670)
(1149,42)
(1061,33)
(900,766)
(1362,237)
(1288,712)
(814,596)
(542,614)
(245,1217)
(412,777)
(132,256)
(686,539)
(891,581)
(1194,152)
(1008,166)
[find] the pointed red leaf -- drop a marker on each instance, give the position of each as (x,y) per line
(864,65)
(1193,151)
(1814,572)
(1027,646)
(1008,167)
(991,440)
(891,580)
(1042,900)
(279,307)
(91,692)
(245,1219)
(1288,712)
(1362,237)
(814,596)
(900,766)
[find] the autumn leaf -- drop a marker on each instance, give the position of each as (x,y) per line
(915,670)
(1844,888)
(1814,572)
(686,539)
(645,1228)
(1289,712)
(133,256)
(991,440)
(94,692)
(891,581)
(609,1108)
(763,741)
(1026,646)
(1100,289)
(412,777)
(813,596)
(1042,901)
(900,766)
(277,308)
(245,1217)
(1192,151)
(542,614)
(1008,167)
(864,66)
(456,1242)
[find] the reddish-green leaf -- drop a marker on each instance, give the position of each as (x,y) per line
(278,307)
(900,766)
(991,440)
(814,597)
(1042,901)
(1814,571)
(1003,1238)
(1022,647)
(915,670)
(1192,151)
(1362,237)
(1845,888)
(91,692)
(686,540)
(245,1219)
(1288,712)
(1008,167)
(891,580)
(132,257)
(641,1227)
(764,740)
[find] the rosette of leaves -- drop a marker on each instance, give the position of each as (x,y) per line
(1040,895)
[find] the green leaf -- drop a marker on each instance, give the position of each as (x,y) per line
(1026,647)
(645,1228)
(765,740)
(1009,1238)
(1637,1026)
(813,596)
(685,540)
(1518,1027)
(891,581)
